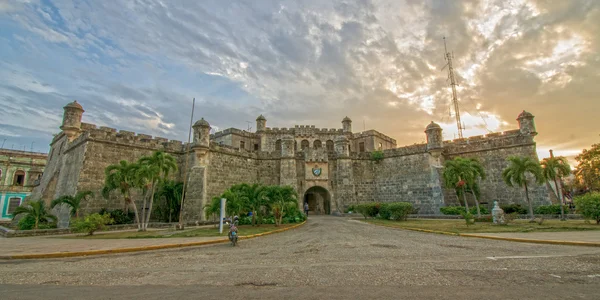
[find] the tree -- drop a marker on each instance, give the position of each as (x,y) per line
(552,168)
(74,202)
(461,174)
(588,205)
(588,168)
(255,195)
(122,177)
(158,166)
(36,210)
(516,174)
(279,197)
(169,192)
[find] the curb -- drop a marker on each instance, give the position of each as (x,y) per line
(139,249)
(521,240)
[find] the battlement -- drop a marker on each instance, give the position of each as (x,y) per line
(235,131)
(276,130)
(373,132)
(108,134)
(496,140)
(478,138)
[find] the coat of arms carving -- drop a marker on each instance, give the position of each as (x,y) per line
(316,171)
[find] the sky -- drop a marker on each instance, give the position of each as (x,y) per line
(136,65)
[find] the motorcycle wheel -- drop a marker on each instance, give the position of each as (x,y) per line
(234,240)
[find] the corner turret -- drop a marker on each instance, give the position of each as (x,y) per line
(201,134)
(71,124)
(526,123)
(261,123)
(434,136)
(347,125)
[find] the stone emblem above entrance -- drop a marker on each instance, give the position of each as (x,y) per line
(316,171)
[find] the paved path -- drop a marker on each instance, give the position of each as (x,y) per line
(329,257)
(51,244)
(577,236)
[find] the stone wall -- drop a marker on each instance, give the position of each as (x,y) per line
(492,151)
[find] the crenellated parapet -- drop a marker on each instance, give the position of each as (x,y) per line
(127,138)
(492,141)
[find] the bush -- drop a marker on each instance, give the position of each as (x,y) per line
(514,208)
(459,210)
(119,216)
(350,208)
(550,209)
(368,209)
(92,223)
(588,206)
(468,218)
(395,210)
(377,155)
(28,222)
(487,218)
(293,215)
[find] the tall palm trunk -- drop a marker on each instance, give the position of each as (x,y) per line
(560,200)
(150,207)
(137,216)
(477,204)
(144,196)
(532,218)
(465,198)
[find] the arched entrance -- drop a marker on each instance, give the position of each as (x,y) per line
(319,200)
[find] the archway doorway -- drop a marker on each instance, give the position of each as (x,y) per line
(319,200)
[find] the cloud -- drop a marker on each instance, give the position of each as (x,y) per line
(136,65)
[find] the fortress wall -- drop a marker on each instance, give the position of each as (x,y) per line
(226,169)
(492,151)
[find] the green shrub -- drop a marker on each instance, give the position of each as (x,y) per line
(377,155)
(395,210)
(350,208)
(588,206)
(514,208)
(368,209)
(119,216)
(468,218)
(293,215)
(92,223)
(550,209)
(28,222)
(459,210)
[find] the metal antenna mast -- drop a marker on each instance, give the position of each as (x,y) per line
(448,57)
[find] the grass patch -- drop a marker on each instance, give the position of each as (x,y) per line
(459,226)
(171,233)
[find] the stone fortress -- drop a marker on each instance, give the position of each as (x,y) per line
(329,168)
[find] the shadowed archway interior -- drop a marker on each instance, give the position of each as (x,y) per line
(319,200)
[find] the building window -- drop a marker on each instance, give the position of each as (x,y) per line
(278,145)
(329,146)
(13,203)
(19,178)
(317,144)
(361,146)
(242,145)
(380,146)
(304,145)
(255,147)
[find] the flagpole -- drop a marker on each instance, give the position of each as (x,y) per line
(185,169)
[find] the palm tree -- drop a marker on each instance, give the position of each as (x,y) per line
(516,174)
(170,191)
(256,196)
(160,165)
(552,168)
(36,210)
(461,173)
(143,175)
(122,177)
(279,198)
(74,202)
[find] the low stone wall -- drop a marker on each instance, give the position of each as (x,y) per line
(8,233)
